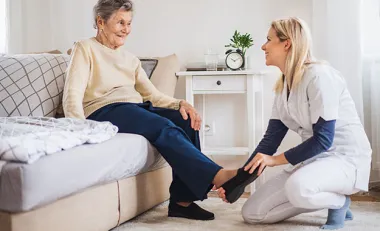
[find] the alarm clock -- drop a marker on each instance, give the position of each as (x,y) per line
(234,59)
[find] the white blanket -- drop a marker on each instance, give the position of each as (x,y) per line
(26,139)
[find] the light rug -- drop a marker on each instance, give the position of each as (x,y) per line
(227,217)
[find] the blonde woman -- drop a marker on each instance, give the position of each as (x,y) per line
(332,162)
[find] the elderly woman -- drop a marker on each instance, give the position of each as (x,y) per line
(106,83)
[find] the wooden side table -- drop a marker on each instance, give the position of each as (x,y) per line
(246,82)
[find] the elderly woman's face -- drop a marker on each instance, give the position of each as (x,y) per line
(117,28)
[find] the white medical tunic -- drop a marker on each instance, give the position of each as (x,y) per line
(323,93)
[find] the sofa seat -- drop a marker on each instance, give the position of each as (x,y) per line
(24,187)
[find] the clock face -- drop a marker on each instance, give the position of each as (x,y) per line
(234,60)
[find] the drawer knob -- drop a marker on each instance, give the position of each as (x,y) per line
(218,82)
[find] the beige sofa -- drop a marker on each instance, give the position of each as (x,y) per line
(105,205)
(99,208)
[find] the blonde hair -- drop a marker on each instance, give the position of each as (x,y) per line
(299,55)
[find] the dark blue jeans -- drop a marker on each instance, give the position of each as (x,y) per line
(174,138)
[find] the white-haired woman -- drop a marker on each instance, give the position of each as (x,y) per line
(105,82)
(333,160)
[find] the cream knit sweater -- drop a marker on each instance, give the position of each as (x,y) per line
(98,76)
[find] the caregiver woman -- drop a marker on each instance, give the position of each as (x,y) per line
(332,162)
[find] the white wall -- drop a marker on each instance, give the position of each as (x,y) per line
(371,27)
(184,27)
(71,20)
(15,23)
(30,28)
(371,52)
(3,27)
(338,39)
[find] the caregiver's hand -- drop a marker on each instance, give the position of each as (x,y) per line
(262,160)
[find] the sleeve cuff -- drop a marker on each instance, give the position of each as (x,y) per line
(176,105)
(291,158)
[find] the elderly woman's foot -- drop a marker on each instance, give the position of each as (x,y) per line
(234,187)
(189,210)
(223,176)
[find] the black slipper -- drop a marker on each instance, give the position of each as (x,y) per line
(236,185)
(193,211)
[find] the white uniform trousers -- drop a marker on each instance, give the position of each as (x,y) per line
(321,184)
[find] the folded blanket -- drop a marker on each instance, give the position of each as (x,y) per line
(26,139)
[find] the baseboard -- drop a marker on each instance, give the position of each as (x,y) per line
(365,196)
(374,186)
(375,176)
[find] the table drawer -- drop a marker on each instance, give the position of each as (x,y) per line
(220,83)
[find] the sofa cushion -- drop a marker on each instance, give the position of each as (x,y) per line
(31,84)
(149,65)
(164,74)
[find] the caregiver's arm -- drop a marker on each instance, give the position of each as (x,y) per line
(323,94)
(272,139)
(321,141)
(323,135)
(262,156)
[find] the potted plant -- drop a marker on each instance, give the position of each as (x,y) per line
(241,42)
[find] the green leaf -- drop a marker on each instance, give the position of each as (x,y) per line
(241,41)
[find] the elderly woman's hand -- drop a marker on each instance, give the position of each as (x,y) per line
(187,110)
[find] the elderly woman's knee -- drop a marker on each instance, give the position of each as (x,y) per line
(184,123)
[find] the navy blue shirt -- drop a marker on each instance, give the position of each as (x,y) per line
(321,141)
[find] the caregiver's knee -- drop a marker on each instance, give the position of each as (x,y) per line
(251,214)
(252,218)
(299,192)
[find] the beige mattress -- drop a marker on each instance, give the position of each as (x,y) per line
(24,187)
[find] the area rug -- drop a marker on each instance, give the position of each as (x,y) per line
(227,217)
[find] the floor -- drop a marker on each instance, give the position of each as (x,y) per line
(228,217)
(365,205)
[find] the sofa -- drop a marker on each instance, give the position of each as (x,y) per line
(91,187)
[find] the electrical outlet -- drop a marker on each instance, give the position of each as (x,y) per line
(209,129)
